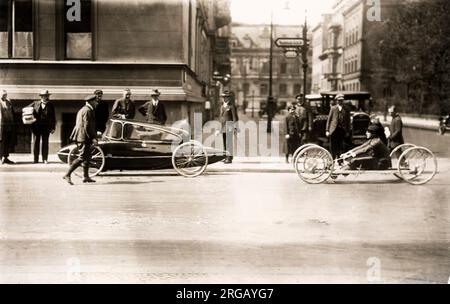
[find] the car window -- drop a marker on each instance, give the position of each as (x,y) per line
(114,130)
(144,133)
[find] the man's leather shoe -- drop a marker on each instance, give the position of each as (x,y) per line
(7,161)
(68,179)
(88,180)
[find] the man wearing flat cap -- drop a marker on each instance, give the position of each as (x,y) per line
(124,107)
(101,112)
(154,110)
(228,119)
(338,126)
(84,135)
(45,124)
(372,155)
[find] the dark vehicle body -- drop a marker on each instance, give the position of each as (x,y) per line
(133,145)
(357,103)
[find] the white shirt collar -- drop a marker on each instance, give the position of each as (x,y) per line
(339,107)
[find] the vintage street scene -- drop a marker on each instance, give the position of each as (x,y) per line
(225,141)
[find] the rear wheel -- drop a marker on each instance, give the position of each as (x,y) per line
(314,165)
(190,159)
(96,164)
(419,165)
(398,151)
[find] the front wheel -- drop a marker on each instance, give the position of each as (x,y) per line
(190,159)
(314,165)
(96,164)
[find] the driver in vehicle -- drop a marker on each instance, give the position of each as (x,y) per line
(372,155)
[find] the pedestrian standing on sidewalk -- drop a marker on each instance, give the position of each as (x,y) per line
(305,118)
(338,126)
(124,107)
(395,138)
(292,132)
(101,112)
(45,124)
(84,135)
(7,128)
(228,119)
(154,110)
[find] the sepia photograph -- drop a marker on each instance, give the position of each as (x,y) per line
(224,142)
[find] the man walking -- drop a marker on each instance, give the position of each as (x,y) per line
(338,126)
(395,138)
(101,112)
(154,110)
(124,107)
(45,124)
(7,128)
(84,135)
(228,119)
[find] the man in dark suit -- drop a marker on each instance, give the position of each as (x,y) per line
(154,110)
(7,128)
(338,126)
(84,135)
(292,132)
(228,119)
(101,112)
(396,129)
(305,118)
(124,107)
(45,124)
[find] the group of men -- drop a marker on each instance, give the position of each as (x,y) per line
(373,154)
(44,119)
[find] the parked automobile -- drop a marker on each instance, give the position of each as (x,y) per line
(357,103)
(444,124)
(133,145)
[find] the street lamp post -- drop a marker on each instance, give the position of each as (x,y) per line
(270,101)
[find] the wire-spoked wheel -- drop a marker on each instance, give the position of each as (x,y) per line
(314,165)
(398,151)
(299,150)
(417,165)
(96,164)
(190,159)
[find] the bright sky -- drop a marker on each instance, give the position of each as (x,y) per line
(291,12)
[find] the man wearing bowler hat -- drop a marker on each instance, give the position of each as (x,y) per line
(154,110)
(45,124)
(228,119)
(84,135)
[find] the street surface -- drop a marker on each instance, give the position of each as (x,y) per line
(224,227)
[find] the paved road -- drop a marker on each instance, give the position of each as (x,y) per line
(223,228)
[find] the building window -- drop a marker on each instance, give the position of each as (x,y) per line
(283,68)
(78,34)
(263,89)
(283,89)
(246,88)
(16,29)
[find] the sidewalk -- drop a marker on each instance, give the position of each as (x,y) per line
(240,165)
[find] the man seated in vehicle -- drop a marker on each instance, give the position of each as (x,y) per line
(372,155)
